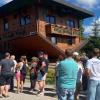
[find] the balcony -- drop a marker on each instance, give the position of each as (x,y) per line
(61,30)
(15,34)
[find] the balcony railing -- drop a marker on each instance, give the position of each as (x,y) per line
(15,34)
(61,30)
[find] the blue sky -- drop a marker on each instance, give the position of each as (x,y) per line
(92,5)
(2,2)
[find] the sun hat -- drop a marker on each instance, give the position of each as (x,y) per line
(35,59)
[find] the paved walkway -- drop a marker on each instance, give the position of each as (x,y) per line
(26,95)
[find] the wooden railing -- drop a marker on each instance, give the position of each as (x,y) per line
(15,34)
(61,30)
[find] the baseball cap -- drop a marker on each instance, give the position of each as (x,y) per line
(75,54)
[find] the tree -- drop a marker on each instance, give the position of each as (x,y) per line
(94,40)
(96,28)
(81,28)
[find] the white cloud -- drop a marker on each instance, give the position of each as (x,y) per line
(87,29)
(89,4)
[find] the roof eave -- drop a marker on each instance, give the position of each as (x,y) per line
(74,7)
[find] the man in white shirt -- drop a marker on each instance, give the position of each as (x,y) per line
(12,79)
(93,71)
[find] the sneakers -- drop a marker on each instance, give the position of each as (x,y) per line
(31,90)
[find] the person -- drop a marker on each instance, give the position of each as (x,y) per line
(23,70)
(18,75)
(79,76)
(33,73)
(1,85)
(46,67)
(93,72)
(6,70)
(67,77)
(12,79)
(60,58)
(41,73)
(84,60)
(75,54)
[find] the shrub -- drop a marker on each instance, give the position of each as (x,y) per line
(50,76)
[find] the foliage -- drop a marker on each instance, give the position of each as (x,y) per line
(96,29)
(50,76)
(94,42)
(81,28)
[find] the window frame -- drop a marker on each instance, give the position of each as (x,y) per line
(48,19)
(70,23)
(53,41)
(5,24)
(26,20)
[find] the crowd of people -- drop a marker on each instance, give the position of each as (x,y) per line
(77,72)
(10,68)
(74,72)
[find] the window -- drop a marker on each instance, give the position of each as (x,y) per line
(50,19)
(22,21)
(25,20)
(70,40)
(54,40)
(6,26)
(70,23)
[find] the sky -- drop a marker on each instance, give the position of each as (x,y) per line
(91,5)
(2,2)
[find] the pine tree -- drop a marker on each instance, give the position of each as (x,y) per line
(96,29)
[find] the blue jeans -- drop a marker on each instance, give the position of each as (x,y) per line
(93,90)
(65,94)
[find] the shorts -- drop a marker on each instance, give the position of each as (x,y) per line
(18,75)
(5,80)
(22,77)
(40,77)
(33,77)
(1,81)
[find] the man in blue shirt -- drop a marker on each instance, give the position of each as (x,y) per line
(67,76)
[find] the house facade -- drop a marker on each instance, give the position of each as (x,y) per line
(29,26)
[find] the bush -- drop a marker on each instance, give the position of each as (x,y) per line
(50,76)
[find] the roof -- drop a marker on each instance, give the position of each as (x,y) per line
(74,7)
(70,8)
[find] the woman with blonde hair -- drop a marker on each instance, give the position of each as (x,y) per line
(21,73)
(18,75)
